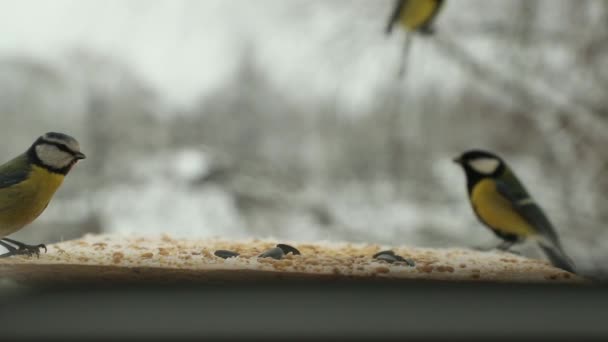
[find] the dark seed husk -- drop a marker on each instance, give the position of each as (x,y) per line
(391,257)
(386,257)
(383,252)
(409,262)
(288,249)
(224,254)
(275,253)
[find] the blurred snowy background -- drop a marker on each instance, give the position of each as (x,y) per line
(276,118)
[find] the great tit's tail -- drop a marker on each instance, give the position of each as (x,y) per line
(557,257)
(405,52)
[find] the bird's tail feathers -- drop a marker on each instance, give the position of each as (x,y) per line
(389,29)
(557,256)
(405,52)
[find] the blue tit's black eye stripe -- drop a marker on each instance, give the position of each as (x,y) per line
(64,148)
(60,146)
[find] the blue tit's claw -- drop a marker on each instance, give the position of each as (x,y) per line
(22,248)
(41,246)
(31,250)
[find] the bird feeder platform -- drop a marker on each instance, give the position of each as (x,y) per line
(117,258)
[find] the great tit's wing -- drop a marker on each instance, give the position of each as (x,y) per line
(510,188)
(14,171)
(395,16)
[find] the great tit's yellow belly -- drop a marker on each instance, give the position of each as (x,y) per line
(23,202)
(496,211)
(416,13)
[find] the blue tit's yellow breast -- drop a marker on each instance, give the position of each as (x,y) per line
(415,14)
(23,202)
(496,211)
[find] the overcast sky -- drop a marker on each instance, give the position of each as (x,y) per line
(187,47)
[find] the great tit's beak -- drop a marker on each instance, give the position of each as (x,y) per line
(457,160)
(79,155)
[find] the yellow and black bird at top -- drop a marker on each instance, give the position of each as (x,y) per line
(29,181)
(415,16)
(503,204)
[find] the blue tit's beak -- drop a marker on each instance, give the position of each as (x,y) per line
(80,155)
(457,160)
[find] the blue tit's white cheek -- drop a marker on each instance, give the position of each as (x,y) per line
(53,157)
(485,166)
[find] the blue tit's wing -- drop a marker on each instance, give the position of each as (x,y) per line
(395,16)
(14,171)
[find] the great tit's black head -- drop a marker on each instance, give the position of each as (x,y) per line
(480,163)
(57,152)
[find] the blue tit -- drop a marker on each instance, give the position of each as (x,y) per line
(28,182)
(415,15)
(501,202)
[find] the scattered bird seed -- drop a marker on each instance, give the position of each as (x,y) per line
(383,253)
(391,257)
(225,254)
(386,257)
(275,253)
(288,249)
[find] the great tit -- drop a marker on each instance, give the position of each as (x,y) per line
(501,202)
(415,15)
(28,182)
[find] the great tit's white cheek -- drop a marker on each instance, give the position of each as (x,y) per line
(486,166)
